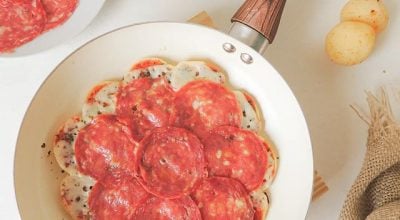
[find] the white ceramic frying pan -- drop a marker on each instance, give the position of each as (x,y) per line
(37,175)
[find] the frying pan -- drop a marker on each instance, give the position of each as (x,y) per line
(37,175)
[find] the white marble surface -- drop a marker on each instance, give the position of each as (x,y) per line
(323,89)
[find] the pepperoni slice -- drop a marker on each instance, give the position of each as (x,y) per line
(116,198)
(144,104)
(223,198)
(168,209)
(236,153)
(105,146)
(20,22)
(202,105)
(170,162)
(58,11)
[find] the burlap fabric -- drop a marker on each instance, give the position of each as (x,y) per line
(375,193)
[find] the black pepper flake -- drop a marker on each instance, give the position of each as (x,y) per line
(91,187)
(68,137)
(43,145)
(244,113)
(197,74)
(144,74)
(163,73)
(84,205)
(277,158)
(105,104)
(99,112)
(84,188)
(62,171)
(48,153)
(169,81)
(77,199)
(248,126)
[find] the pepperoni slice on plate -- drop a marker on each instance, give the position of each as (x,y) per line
(58,11)
(223,198)
(202,105)
(236,153)
(20,22)
(116,198)
(170,162)
(105,146)
(168,209)
(144,104)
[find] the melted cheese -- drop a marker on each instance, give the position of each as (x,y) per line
(187,71)
(250,119)
(261,201)
(270,174)
(64,147)
(260,196)
(102,102)
(75,194)
(151,71)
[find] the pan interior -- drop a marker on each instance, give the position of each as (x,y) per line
(37,175)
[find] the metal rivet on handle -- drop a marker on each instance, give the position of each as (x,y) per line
(228,47)
(246,58)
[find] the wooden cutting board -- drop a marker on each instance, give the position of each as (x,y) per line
(320,186)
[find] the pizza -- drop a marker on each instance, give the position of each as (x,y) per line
(21,21)
(166,142)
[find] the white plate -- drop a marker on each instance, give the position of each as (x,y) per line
(79,20)
(108,57)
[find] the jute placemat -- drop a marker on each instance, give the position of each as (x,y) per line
(375,194)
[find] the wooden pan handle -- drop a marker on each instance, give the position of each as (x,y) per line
(261,15)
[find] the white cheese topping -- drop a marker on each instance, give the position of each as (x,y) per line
(75,194)
(103,101)
(187,71)
(250,119)
(64,151)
